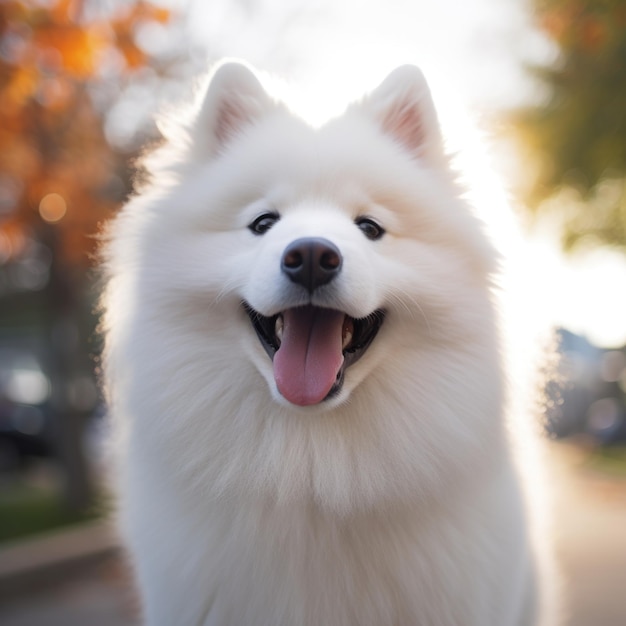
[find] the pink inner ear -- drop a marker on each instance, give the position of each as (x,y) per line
(231,116)
(404,122)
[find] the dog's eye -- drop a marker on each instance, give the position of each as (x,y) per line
(370,228)
(263,223)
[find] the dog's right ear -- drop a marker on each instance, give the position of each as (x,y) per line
(234,100)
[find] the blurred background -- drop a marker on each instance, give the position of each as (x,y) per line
(535,89)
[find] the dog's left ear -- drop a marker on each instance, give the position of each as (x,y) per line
(404,108)
(234,100)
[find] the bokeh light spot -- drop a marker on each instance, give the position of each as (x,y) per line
(52,207)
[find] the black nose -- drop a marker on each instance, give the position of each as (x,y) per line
(311,262)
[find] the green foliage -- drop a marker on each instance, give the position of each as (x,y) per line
(578,133)
(608,460)
(27,510)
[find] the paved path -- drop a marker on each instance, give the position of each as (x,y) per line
(590,536)
(590,533)
(97,595)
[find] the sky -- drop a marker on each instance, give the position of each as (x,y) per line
(333,50)
(473,53)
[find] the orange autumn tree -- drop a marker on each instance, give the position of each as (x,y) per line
(55,162)
(59,178)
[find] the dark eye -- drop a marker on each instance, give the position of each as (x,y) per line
(263,223)
(370,228)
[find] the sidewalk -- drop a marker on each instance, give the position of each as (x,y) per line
(590,537)
(73,577)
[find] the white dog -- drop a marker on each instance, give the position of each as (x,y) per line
(304,368)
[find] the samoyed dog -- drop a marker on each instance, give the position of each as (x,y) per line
(306,375)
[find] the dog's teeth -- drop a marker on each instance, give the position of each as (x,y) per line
(278,329)
(346,333)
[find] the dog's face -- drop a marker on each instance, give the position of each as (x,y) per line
(330,248)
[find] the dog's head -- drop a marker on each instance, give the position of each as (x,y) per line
(324,243)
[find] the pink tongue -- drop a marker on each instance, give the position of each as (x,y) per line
(309,357)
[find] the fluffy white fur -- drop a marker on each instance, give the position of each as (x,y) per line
(396,502)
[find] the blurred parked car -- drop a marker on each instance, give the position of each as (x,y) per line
(588,395)
(25,411)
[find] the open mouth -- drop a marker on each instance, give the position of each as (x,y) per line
(311,347)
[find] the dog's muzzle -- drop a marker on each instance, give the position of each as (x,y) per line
(311,346)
